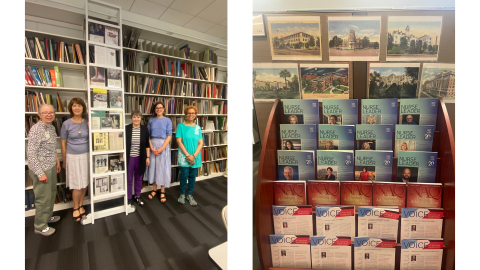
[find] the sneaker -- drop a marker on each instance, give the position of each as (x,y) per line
(129,201)
(139,201)
(46,232)
(54,219)
(191,200)
(181,199)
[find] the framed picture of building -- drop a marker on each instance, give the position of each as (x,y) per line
(354,38)
(438,81)
(295,37)
(325,81)
(272,81)
(413,38)
(393,80)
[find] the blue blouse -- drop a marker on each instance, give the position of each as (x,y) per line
(160,127)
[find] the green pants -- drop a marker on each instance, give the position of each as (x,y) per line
(44,197)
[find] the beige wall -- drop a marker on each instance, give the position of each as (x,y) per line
(261,53)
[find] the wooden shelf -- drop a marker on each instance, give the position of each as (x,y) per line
(49,88)
(49,63)
(172,77)
(184,97)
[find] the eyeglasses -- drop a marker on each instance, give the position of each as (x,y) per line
(190,113)
(47,113)
(158,108)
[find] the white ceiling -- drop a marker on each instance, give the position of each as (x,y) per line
(206,16)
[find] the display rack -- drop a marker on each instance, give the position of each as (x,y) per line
(267,173)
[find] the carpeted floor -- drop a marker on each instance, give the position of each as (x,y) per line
(156,236)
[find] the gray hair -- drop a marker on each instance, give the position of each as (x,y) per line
(136,112)
(45,105)
(288,167)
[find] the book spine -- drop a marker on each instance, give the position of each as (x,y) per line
(36,77)
(58,76)
(52,76)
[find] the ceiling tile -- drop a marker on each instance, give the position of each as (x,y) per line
(224,23)
(148,9)
(125,4)
(175,17)
(199,25)
(216,12)
(218,31)
(166,3)
(192,7)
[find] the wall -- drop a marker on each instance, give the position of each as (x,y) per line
(261,52)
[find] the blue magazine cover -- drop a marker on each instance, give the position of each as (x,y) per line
(333,137)
(296,165)
(418,111)
(298,137)
(340,111)
(374,137)
(301,111)
(379,111)
(413,138)
(335,165)
(415,166)
(373,166)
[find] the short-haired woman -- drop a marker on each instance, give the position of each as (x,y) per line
(138,155)
(330,175)
(43,165)
(190,143)
(292,119)
(371,119)
(365,175)
(75,149)
(404,147)
(159,171)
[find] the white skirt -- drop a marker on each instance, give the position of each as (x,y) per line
(77,171)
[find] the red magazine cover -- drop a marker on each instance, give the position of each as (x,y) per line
(356,193)
(289,193)
(424,195)
(389,194)
(323,192)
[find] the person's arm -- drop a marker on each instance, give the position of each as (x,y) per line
(168,132)
(199,148)
(182,147)
(59,168)
(64,136)
(34,139)
(147,139)
(165,143)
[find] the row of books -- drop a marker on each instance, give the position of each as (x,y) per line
(357,137)
(44,77)
(365,193)
(35,99)
(371,221)
(213,153)
(108,163)
(215,138)
(33,119)
(172,87)
(411,166)
(372,111)
(130,36)
(107,141)
(171,67)
(174,105)
(205,170)
(108,184)
(335,252)
(48,49)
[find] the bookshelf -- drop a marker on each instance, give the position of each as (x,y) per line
(443,143)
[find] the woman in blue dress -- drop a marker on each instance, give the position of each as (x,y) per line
(159,170)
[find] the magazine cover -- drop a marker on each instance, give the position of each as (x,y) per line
(331,252)
(296,165)
(106,122)
(275,80)
(373,137)
(340,111)
(114,78)
(389,194)
(301,111)
(421,223)
(323,193)
(325,81)
(354,38)
(290,251)
(421,254)
(415,166)
(293,219)
(101,185)
(115,141)
(424,195)
(413,138)
(111,35)
(373,165)
(335,220)
(374,253)
(294,37)
(100,141)
(335,165)
(289,193)
(393,80)
(99,98)
(96,32)
(95,123)
(379,111)
(100,163)
(116,182)
(378,222)
(356,193)
(115,99)
(333,137)
(298,137)
(413,38)
(438,81)
(117,119)
(97,76)
(422,111)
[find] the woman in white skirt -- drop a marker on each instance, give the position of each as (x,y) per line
(75,148)
(159,170)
